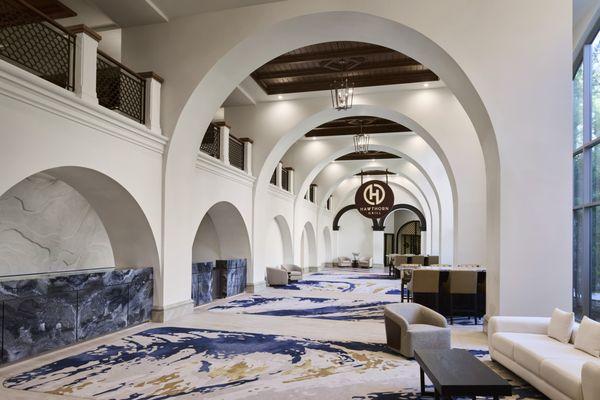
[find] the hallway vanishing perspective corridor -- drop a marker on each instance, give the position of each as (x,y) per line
(322,337)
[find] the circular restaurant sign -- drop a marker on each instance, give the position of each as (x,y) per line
(374,199)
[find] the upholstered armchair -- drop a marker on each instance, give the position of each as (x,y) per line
(410,326)
(294,271)
(365,262)
(277,277)
(344,262)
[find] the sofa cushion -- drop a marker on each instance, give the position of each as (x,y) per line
(588,337)
(504,342)
(530,354)
(424,328)
(561,325)
(564,374)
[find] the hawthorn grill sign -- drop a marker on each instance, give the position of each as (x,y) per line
(374,199)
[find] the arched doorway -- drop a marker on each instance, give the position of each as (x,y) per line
(408,238)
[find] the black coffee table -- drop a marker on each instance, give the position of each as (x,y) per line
(457,372)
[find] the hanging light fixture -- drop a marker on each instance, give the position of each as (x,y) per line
(361,141)
(342,94)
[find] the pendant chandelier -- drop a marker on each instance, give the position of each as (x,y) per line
(361,141)
(342,94)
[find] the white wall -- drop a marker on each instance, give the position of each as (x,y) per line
(45,226)
(206,245)
(355,235)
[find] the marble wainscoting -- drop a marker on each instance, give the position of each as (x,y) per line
(223,278)
(202,282)
(236,275)
(49,312)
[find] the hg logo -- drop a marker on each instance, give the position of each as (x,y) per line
(374,194)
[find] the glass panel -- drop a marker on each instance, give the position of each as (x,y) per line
(578,109)
(595,265)
(577,179)
(596,87)
(596,173)
(578,278)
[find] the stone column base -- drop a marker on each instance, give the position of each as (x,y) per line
(172,311)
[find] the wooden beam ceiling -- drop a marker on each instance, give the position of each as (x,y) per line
(351,126)
(315,67)
(53,9)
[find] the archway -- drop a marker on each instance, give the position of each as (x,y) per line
(279,241)
(68,218)
(308,247)
(294,31)
(327,245)
(221,235)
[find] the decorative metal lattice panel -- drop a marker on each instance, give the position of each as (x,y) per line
(236,153)
(37,44)
(120,89)
(285,179)
(210,143)
(274,177)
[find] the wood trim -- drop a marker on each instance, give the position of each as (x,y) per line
(376,155)
(246,140)
(221,124)
(153,75)
(75,29)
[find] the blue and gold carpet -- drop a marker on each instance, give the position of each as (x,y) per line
(346,282)
(306,307)
(192,363)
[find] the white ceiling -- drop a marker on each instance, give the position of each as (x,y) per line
(124,13)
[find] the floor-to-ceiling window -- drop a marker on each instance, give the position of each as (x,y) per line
(586,188)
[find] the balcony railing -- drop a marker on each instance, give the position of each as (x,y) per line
(285,179)
(36,43)
(119,88)
(236,152)
(211,143)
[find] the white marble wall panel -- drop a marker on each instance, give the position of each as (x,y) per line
(46,225)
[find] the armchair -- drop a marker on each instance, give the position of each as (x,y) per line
(277,277)
(410,326)
(365,262)
(294,271)
(344,262)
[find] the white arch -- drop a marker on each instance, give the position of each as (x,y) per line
(292,31)
(286,239)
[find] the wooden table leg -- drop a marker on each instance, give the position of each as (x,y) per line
(436,395)
(422,374)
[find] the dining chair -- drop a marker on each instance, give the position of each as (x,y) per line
(463,287)
(425,288)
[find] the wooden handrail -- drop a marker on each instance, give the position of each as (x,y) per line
(130,71)
(44,16)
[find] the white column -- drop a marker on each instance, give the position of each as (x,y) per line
(152,109)
(86,53)
(378,248)
(224,139)
(278,175)
(291,180)
(424,243)
(314,189)
(247,155)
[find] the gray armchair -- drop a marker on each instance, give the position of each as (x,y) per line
(410,326)
(344,262)
(365,262)
(277,277)
(294,271)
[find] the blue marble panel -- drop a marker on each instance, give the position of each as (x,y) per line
(44,313)
(202,282)
(236,276)
(33,325)
(102,311)
(141,291)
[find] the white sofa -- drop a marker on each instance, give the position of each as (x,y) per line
(558,370)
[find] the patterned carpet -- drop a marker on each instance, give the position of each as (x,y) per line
(247,349)
(187,363)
